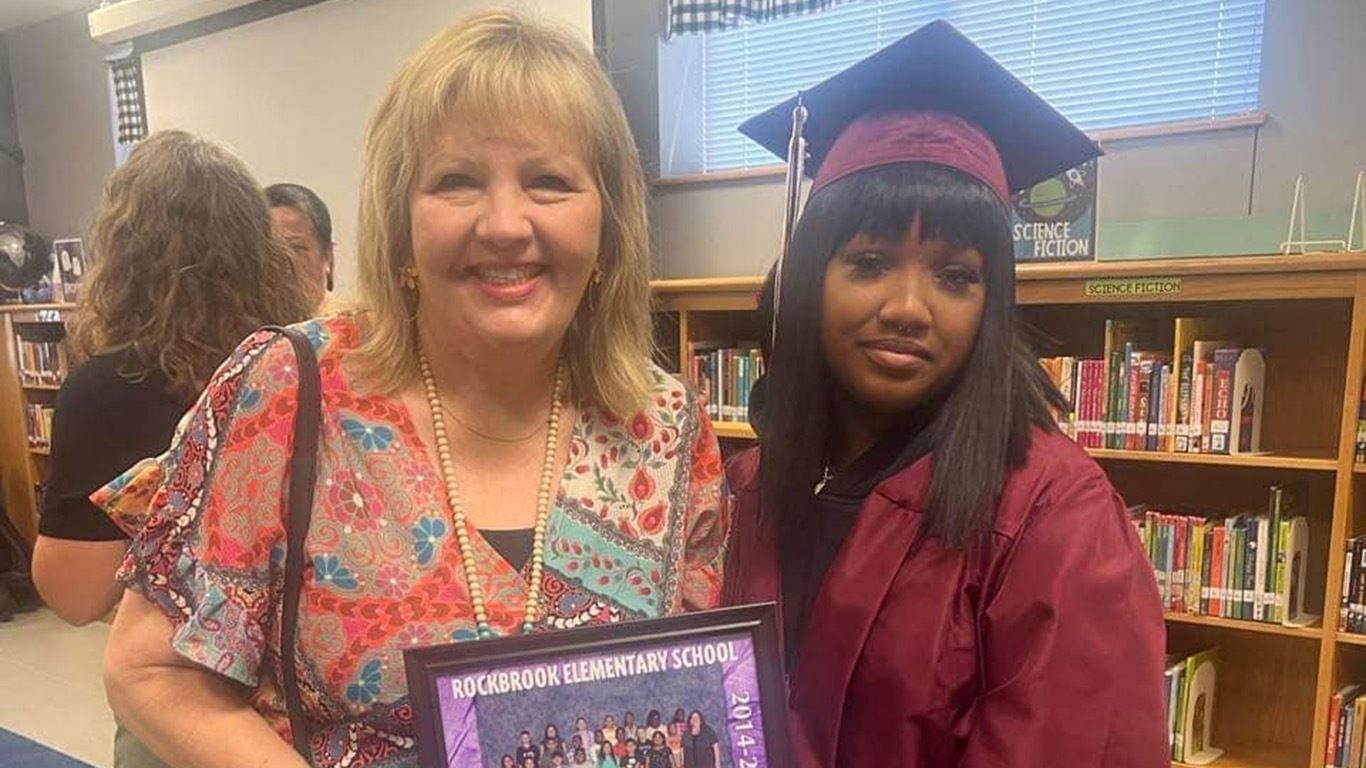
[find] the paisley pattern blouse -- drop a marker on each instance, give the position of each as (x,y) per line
(638,530)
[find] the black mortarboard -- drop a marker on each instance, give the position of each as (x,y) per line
(932,96)
(897,105)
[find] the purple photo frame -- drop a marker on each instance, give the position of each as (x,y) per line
(734,650)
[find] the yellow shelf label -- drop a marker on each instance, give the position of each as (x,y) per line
(1138,286)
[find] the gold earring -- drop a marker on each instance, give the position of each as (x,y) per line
(597,276)
(408,278)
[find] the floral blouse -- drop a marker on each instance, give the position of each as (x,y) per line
(637,530)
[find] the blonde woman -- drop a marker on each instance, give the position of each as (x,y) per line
(498,455)
(186,268)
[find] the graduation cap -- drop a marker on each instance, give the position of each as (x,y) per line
(932,96)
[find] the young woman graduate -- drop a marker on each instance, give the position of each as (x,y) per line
(959,583)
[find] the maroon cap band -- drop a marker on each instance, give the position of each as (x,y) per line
(919,136)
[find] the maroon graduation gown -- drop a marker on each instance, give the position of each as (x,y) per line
(1040,646)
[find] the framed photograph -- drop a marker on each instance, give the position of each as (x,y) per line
(534,700)
(70,267)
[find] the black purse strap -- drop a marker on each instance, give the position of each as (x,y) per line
(303,474)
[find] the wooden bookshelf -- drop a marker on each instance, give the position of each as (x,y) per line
(22,309)
(1252,757)
(1310,461)
(733,429)
(22,469)
(1308,633)
(1309,314)
(1317,463)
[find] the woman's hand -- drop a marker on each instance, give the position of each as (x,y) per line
(191,717)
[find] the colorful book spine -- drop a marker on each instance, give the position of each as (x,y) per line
(1195,572)
(1151,410)
(1225,360)
(1206,567)
(1199,404)
(1178,564)
(1239,560)
(1359,587)
(1334,714)
(1133,376)
(1166,427)
(1183,404)
(1345,601)
(1361,428)
(1251,565)
(1216,577)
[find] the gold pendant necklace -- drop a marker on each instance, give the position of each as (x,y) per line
(443,452)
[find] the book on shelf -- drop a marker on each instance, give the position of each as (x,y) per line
(1190,688)
(1361,428)
(724,375)
(1186,330)
(1247,567)
(1173,679)
(41,363)
(1346,722)
(38,422)
(1355,733)
(1201,396)
(1245,408)
(1352,604)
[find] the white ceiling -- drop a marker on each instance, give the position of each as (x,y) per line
(19,13)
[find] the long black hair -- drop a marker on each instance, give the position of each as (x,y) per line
(982,426)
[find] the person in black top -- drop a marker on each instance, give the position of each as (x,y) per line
(701,748)
(658,755)
(526,750)
(186,267)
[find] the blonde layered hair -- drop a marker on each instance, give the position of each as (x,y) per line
(500,69)
(185,264)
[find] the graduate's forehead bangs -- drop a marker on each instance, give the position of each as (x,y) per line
(881,203)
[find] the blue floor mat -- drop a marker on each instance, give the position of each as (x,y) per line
(19,752)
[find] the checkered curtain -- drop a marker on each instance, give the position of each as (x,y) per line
(710,15)
(132,108)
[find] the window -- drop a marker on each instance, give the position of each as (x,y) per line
(1101,63)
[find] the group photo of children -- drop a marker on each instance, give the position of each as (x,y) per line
(687,740)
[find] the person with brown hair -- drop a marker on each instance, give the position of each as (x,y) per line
(185,268)
(497,454)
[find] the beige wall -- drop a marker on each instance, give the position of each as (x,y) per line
(13,206)
(61,99)
(292,93)
(1314,57)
